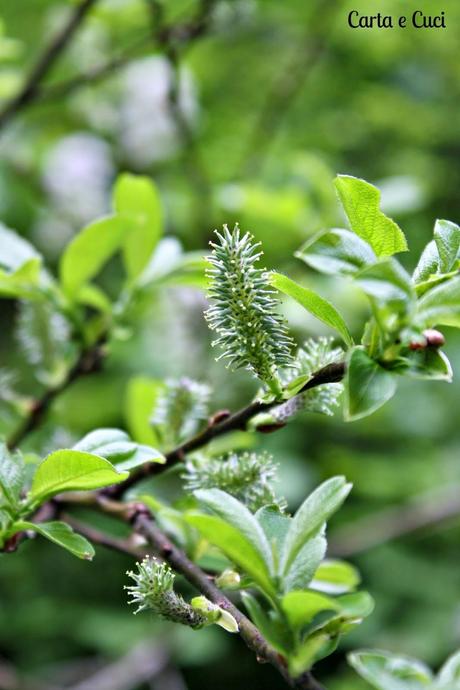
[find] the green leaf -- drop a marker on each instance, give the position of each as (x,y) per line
(23,283)
(61,534)
(447,239)
(302,606)
(270,628)
(367,385)
(311,516)
(355,605)
(72,470)
(428,363)
(361,202)
(387,282)
(15,250)
(337,252)
(275,526)
(386,671)
(86,254)
(305,564)
(235,546)
(316,305)
(137,203)
(12,475)
(428,263)
(141,397)
(440,306)
(236,514)
(116,446)
(335,577)
(449,675)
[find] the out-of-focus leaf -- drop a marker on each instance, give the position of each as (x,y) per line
(316,305)
(137,203)
(449,675)
(386,671)
(12,475)
(300,607)
(361,202)
(387,282)
(141,396)
(86,254)
(335,577)
(337,252)
(367,385)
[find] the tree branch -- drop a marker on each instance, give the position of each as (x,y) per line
(193,574)
(45,62)
(332,373)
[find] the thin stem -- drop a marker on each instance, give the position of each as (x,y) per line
(88,362)
(46,61)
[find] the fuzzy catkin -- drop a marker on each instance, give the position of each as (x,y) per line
(251,334)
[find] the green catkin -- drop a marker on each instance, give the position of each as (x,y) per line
(251,334)
(179,410)
(154,589)
(249,477)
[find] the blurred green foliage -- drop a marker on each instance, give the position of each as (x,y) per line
(276,98)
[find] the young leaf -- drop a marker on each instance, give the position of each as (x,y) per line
(12,475)
(361,202)
(386,671)
(387,282)
(335,577)
(356,605)
(137,203)
(316,305)
(305,564)
(61,534)
(441,305)
(311,516)
(449,676)
(270,628)
(72,470)
(428,264)
(447,238)
(428,363)
(116,446)
(367,385)
(141,396)
(275,526)
(23,283)
(337,252)
(300,607)
(236,514)
(235,546)
(85,255)
(15,250)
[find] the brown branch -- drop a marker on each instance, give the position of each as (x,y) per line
(45,62)
(332,373)
(88,362)
(193,574)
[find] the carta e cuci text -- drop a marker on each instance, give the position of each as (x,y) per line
(385,21)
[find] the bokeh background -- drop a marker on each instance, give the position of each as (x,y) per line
(249,122)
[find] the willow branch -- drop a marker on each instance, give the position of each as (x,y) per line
(45,62)
(195,576)
(332,373)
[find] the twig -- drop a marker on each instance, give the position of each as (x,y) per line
(332,373)
(95,536)
(45,62)
(88,362)
(193,574)
(392,523)
(138,666)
